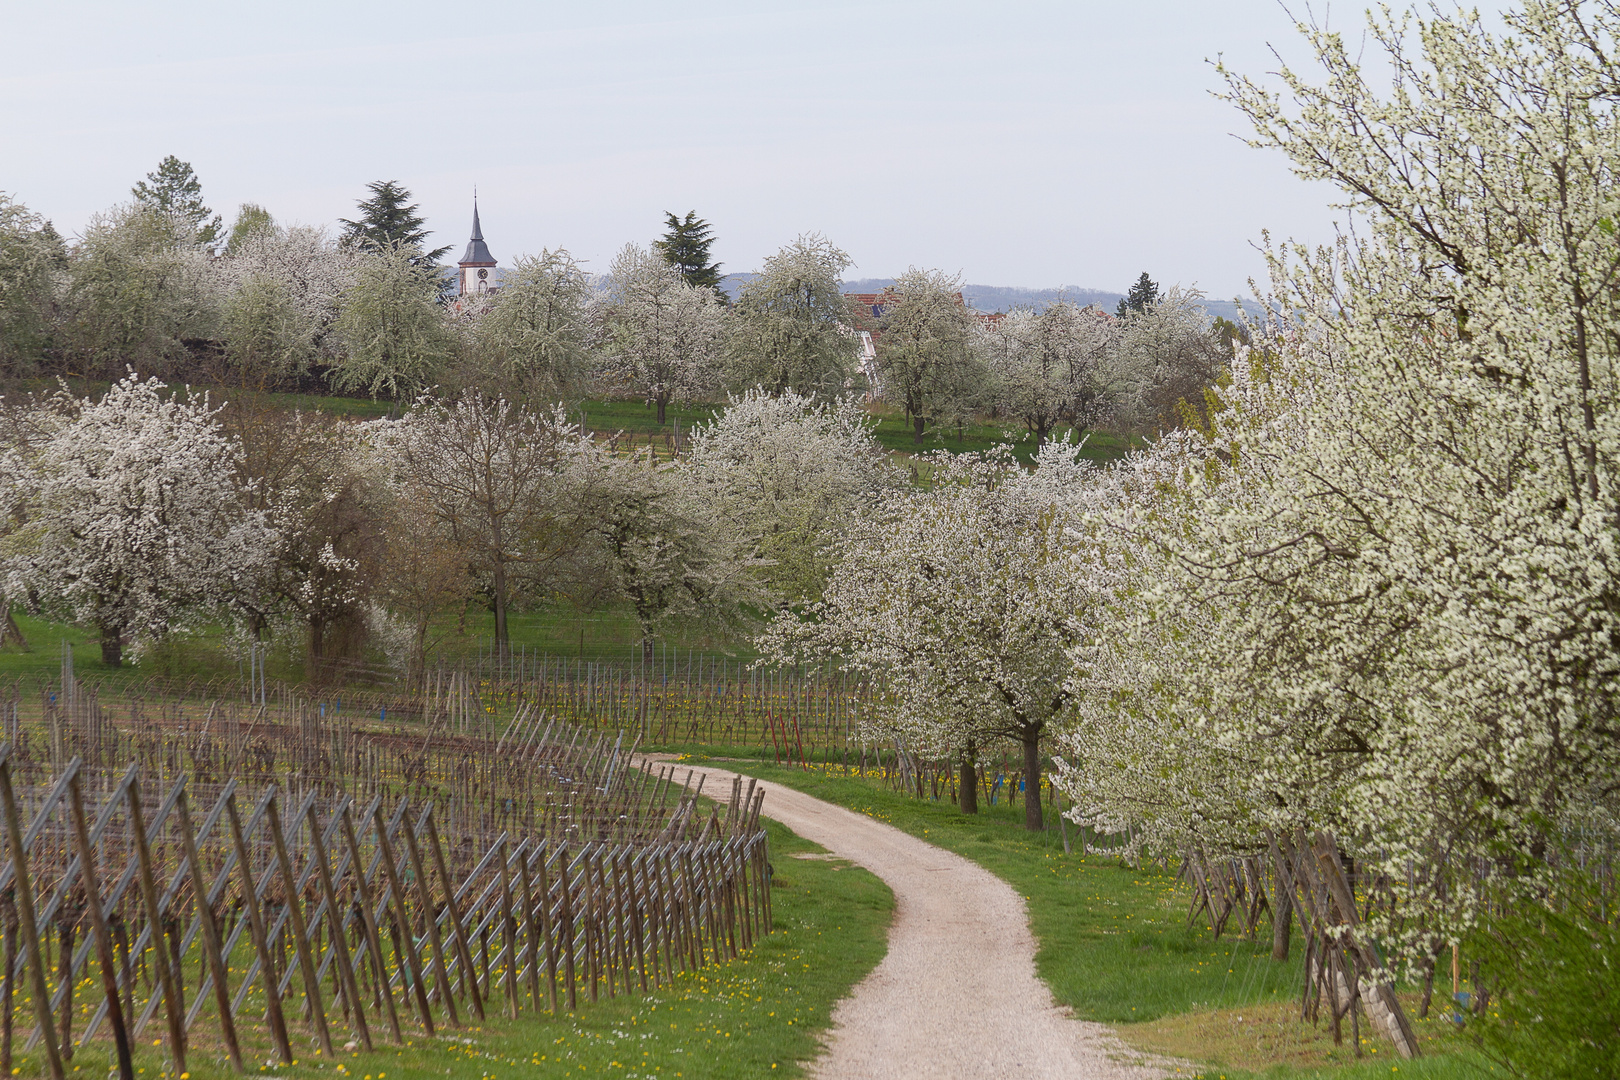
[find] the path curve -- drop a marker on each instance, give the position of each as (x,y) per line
(957,994)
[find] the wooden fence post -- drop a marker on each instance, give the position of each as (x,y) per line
(98,925)
(429,916)
(368,917)
(261,939)
(408,955)
(174,1007)
(210,933)
(458,928)
(300,932)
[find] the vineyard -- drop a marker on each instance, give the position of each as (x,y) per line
(362,873)
(680,699)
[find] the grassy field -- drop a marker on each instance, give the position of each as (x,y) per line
(761,1014)
(560,632)
(1114,946)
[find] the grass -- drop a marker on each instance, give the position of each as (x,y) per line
(898,437)
(761,1014)
(1114,945)
(557,632)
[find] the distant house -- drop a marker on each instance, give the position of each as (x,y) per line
(871,306)
(874,304)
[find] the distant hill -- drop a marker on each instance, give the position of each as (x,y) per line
(1007,297)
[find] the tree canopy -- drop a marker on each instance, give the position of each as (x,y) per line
(1142,295)
(173,189)
(389,221)
(685,246)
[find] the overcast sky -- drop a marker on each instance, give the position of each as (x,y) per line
(1018,143)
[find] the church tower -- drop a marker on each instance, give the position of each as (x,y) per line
(477,264)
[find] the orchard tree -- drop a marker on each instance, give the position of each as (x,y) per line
(425,574)
(961,602)
(267,337)
(23,429)
(1398,529)
(310,271)
(32,258)
(664,553)
(173,191)
(390,223)
(662,334)
(790,327)
(394,334)
(1048,366)
(327,500)
(509,486)
(685,247)
(536,335)
(928,351)
(252,220)
(135,524)
(787,474)
(1168,355)
(138,288)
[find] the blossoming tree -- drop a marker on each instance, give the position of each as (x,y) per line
(961,602)
(135,524)
(785,474)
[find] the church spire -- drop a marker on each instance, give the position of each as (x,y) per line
(476,261)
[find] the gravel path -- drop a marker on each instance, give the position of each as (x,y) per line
(957,994)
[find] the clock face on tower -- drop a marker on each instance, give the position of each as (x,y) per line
(482,274)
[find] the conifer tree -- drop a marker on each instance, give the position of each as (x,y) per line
(390,221)
(173,189)
(1143,295)
(685,246)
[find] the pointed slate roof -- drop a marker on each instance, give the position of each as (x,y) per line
(477,253)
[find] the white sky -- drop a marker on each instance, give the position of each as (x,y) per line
(1019,143)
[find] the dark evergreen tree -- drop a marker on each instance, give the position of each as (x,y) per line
(389,221)
(1143,295)
(174,189)
(685,246)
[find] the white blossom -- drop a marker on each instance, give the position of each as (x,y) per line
(135,524)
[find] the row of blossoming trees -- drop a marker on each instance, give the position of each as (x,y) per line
(147,513)
(1376,596)
(149,286)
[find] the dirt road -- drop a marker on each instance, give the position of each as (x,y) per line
(957,994)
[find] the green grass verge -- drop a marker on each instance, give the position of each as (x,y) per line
(763,1014)
(1114,945)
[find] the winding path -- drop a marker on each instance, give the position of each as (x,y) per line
(957,994)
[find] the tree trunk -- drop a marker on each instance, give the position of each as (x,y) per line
(1282,921)
(112,645)
(1032,780)
(968,781)
(647,651)
(503,642)
(663,406)
(918,426)
(10,631)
